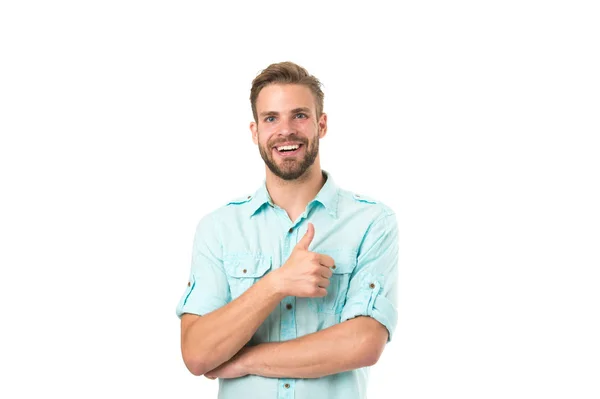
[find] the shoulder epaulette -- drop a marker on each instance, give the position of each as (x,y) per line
(240,200)
(364,198)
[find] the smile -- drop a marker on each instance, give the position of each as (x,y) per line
(288,150)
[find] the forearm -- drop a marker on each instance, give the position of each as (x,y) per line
(342,347)
(215,337)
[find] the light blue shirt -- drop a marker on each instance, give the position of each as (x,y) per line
(239,243)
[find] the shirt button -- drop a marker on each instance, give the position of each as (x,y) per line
(244,271)
(288,306)
(333,267)
(249,197)
(287,385)
(189,284)
(290,230)
(372,285)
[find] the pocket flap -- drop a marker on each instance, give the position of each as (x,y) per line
(345,260)
(240,266)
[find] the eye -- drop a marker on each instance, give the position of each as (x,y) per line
(269,119)
(301,115)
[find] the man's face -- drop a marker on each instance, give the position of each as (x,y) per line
(287,116)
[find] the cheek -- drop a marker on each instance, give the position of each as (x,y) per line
(303,123)
(263,138)
(309,126)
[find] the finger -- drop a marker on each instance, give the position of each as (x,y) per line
(323,283)
(326,260)
(308,237)
(326,272)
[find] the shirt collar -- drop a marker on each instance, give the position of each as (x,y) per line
(327,196)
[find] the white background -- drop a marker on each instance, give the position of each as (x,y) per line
(123,122)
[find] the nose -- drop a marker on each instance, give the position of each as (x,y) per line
(286,127)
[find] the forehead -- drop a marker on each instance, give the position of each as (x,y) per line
(284,97)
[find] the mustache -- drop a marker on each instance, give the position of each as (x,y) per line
(290,138)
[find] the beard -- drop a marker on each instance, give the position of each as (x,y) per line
(291,168)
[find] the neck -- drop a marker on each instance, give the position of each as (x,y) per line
(294,195)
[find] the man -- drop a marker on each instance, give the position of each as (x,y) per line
(292,290)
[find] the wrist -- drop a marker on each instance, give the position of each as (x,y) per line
(246,359)
(276,284)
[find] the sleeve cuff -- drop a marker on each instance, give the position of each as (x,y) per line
(369,302)
(192,302)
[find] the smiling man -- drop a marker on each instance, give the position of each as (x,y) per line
(292,290)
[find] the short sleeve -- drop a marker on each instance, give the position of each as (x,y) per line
(374,283)
(207,288)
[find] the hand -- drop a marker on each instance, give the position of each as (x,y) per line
(306,273)
(233,368)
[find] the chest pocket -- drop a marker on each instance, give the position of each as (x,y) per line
(243,270)
(333,303)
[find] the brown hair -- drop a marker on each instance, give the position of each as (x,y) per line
(286,73)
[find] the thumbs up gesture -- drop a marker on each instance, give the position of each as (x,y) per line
(305,273)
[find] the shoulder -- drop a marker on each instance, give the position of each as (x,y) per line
(234,208)
(377,218)
(213,222)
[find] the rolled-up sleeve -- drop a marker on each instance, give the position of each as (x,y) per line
(373,285)
(207,288)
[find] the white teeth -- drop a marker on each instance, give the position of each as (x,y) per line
(288,147)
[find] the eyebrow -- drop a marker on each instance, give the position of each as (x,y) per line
(301,109)
(294,111)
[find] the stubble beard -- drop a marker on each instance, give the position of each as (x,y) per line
(291,168)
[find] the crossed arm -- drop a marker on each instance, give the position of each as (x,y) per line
(352,344)
(220,352)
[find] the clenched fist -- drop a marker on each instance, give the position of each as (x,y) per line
(305,273)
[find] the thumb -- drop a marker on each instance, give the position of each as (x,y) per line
(308,237)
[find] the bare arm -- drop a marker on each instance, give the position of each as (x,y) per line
(352,344)
(210,340)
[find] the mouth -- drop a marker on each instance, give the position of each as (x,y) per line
(287,151)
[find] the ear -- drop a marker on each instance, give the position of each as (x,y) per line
(322,125)
(254,130)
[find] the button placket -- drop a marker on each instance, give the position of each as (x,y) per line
(288,318)
(286,388)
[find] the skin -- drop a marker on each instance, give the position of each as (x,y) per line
(346,346)
(285,113)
